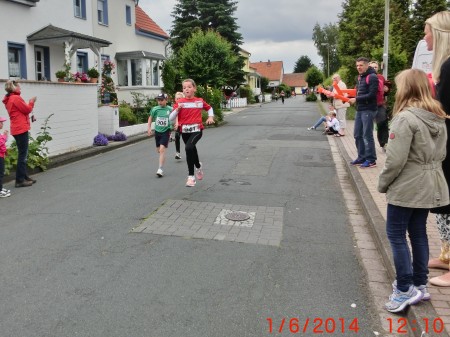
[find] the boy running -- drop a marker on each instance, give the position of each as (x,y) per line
(160,116)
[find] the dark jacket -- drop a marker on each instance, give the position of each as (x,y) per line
(442,90)
(366,94)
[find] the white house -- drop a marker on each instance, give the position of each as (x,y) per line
(41,36)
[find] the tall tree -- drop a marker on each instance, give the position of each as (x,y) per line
(302,64)
(204,15)
(207,58)
(186,19)
(325,39)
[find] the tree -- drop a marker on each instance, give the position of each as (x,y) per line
(325,39)
(170,76)
(204,15)
(302,64)
(208,59)
(191,16)
(313,76)
(264,84)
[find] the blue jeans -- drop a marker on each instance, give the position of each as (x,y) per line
(22,148)
(399,220)
(319,122)
(363,133)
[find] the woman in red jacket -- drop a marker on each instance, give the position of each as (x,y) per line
(19,112)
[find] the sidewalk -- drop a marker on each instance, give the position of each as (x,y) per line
(374,205)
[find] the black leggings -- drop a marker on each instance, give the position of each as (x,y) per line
(177,141)
(190,140)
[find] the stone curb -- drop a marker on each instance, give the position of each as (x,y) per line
(378,228)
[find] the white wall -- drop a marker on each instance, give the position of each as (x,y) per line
(75,121)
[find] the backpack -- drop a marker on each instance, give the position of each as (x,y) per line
(380,91)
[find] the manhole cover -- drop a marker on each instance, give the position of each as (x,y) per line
(237,216)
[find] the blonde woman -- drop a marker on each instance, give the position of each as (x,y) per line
(437,37)
(414,182)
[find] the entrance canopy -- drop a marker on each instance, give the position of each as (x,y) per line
(55,35)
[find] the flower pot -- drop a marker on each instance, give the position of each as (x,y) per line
(60,79)
(93,80)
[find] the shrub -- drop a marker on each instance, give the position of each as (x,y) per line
(312,97)
(213,97)
(126,114)
(117,137)
(100,140)
(37,150)
(93,72)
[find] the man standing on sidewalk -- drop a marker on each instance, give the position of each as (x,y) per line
(366,109)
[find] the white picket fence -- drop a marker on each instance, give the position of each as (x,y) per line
(236,103)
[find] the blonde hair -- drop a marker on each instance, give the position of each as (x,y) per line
(190,80)
(413,90)
(179,95)
(11,86)
(439,25)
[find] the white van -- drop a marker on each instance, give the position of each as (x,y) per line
(422,57)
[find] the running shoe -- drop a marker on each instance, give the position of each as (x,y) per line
(424,290)
(5,190)
(368,164)
(400,300)
(160,173)
(177,155)
(199,172)
(357,162)
(311,128)
(190,181)
(4,194)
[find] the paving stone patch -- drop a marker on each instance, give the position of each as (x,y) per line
(207,220)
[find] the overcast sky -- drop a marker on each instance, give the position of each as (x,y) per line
(276,30)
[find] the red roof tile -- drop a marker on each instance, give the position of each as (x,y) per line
(146,24)
(295,80)
(273,70)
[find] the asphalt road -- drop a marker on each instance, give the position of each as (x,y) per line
(70,264)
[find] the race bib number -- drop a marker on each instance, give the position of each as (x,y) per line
(162,121)
(190,128)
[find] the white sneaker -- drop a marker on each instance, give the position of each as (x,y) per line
(311,128)
(177,155)
(4,194)
(160,173)
(5,190)
(190,181)
(199,172)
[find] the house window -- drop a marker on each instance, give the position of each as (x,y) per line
(16,60)
(102,11)
(82,62)
(128,15)
(155,73)
(138,72)
(79,9)
(122,72)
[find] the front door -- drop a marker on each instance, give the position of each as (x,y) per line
(39,63)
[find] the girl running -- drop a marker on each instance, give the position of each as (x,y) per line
(189,112)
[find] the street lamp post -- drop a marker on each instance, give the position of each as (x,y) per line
(386,39)
(328,59)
